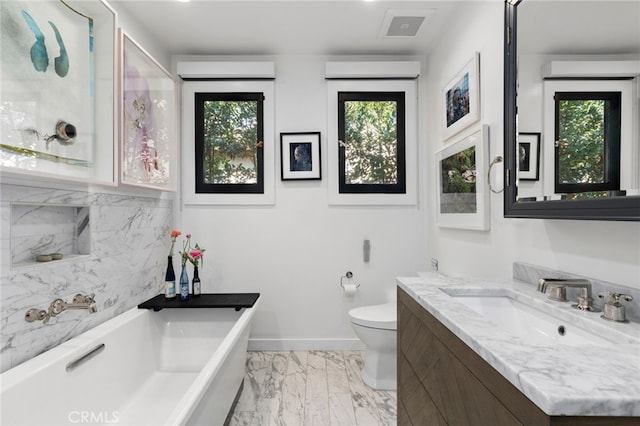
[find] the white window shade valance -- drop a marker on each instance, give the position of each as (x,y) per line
(596,69)
(376,69)
(221,70)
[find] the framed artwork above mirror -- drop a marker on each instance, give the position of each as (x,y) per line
(555,80)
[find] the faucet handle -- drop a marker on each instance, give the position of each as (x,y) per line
(626,297)
(615,297)
(35,314)
(84,298)
(56,307)
(613,309)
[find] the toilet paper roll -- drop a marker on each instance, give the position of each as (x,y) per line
(350,289)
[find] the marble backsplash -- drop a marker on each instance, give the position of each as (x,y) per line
(122,260)
(532,274)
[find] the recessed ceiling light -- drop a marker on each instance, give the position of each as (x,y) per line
(184,1)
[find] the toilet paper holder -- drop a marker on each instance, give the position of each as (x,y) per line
(348,276)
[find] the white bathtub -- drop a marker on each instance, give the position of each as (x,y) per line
(172,367)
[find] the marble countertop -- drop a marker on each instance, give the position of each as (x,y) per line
(586,380)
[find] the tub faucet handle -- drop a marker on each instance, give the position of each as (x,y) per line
(34,314)
(55,308)
(84,298)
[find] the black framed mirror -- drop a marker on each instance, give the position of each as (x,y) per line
(546,51)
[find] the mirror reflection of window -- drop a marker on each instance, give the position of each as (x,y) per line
(578,46)
(587,147)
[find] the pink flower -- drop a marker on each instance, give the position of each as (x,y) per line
(196,255)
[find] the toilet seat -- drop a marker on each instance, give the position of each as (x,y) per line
(382,316)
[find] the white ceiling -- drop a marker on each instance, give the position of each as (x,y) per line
(349,27)
(263,27)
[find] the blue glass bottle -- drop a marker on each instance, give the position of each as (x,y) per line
(184,284)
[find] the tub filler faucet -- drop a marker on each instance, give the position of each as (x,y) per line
(80,301)
(559,287)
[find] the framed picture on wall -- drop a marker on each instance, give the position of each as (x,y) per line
(58,85)
(462,187)
(300,156)
(148,114)
(461,98)
(529,156)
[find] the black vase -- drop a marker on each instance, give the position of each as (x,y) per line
(195,283)
(170,280)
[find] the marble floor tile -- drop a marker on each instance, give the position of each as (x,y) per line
(317,392)
(307,388)
(294,390)
(364,399)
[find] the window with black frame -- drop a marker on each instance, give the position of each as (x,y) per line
(229,143)
(371,130)
(587,147)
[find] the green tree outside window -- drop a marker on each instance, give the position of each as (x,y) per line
(230,135)
(371,140)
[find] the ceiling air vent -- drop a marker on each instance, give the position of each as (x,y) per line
(400,23)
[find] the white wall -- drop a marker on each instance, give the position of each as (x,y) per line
(295,251)
(606,250)
(135,30)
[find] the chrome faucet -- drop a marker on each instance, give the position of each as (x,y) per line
(585,301)
(80,301)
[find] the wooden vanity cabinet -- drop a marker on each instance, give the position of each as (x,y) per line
(442,381)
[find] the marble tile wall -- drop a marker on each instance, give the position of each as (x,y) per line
(532,273)
(126,249)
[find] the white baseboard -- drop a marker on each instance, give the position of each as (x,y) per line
(306,345)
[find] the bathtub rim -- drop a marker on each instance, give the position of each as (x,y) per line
(74,347)
(85,341)
(192,397)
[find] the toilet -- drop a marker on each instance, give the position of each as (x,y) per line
(376,326)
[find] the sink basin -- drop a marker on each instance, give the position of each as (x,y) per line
(532,324)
